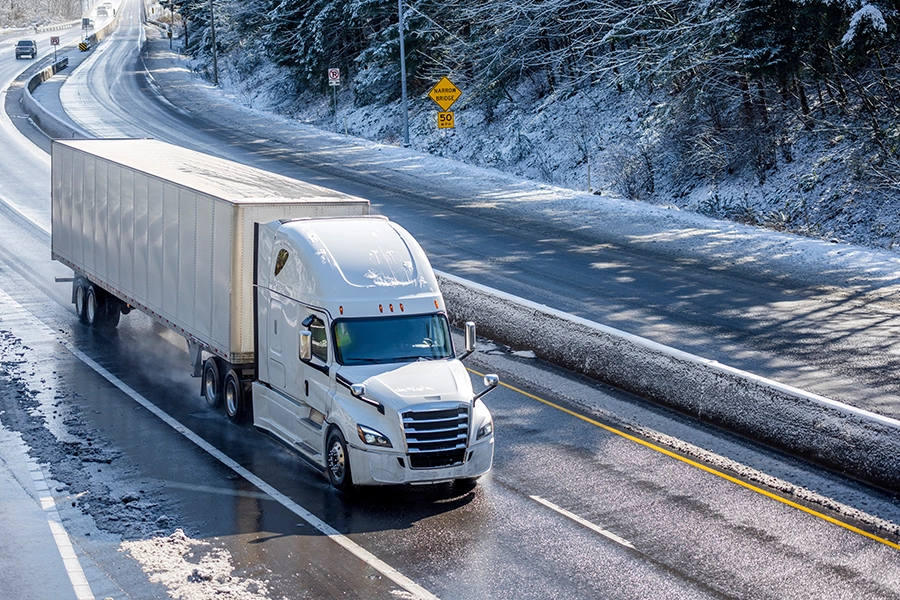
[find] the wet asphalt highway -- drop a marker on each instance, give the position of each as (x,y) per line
(571,509)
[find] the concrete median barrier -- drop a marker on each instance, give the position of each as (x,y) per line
(49,123)
(851,441)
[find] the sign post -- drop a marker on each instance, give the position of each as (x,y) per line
(444,94)
(54,41)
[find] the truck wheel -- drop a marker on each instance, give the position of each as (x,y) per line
(338,461)
(93,308)
(100,309)
(465,485)
(233,394)
(79,302)
(112,314)
(212,382)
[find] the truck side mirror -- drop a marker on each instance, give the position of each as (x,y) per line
(470,337)
(470,340)
(306,346)
(490,381)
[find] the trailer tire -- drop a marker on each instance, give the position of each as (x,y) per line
(338,461)
(93,307)
(212,382)
(79,294)
(101,310)
(233,395)
(113,313)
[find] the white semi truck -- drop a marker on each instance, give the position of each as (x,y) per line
(291,294)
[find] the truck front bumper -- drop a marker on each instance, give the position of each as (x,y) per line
(383,468)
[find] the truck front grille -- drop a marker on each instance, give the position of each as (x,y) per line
(436,438)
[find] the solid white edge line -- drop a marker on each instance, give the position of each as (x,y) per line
(342,540)
(79,582)
(60,536)
(585,522)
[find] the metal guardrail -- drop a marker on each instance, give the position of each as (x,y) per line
(39,28)
(59,26)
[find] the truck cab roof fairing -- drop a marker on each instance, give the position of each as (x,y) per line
(355,263)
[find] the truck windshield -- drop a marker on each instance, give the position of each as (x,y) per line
(392,339)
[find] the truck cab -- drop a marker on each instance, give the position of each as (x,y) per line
(356,367)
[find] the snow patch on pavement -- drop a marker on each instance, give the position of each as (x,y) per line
(192,569)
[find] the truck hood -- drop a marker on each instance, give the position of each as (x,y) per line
(411,384)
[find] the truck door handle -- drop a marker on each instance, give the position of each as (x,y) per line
(306,385)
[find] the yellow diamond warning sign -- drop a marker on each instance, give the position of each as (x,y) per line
(445,93)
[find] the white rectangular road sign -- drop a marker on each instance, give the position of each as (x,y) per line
(334,77)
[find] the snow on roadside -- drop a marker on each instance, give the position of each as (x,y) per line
(192,569)
(587,140)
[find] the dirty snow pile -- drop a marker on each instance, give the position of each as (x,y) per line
(192,569)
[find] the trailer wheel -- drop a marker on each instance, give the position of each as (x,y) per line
(338,461)
(111,310)
(79,301)
(112,314)
(93,308)
(212,382)
(233,394)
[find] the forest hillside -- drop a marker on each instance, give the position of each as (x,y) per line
(31,13)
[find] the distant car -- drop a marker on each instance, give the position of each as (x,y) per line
(102,11)
(26,48)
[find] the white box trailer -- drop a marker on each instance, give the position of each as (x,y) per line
(286,292)
(170,232)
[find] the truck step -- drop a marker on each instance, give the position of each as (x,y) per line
(310,423)
(307,449)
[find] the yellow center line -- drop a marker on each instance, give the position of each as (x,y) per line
(703,467)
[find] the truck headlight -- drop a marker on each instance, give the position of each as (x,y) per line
(486,429)
(370,437)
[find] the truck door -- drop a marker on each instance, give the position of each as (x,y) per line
(274,349)
(315,379)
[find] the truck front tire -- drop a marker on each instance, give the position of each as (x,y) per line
(338,461)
